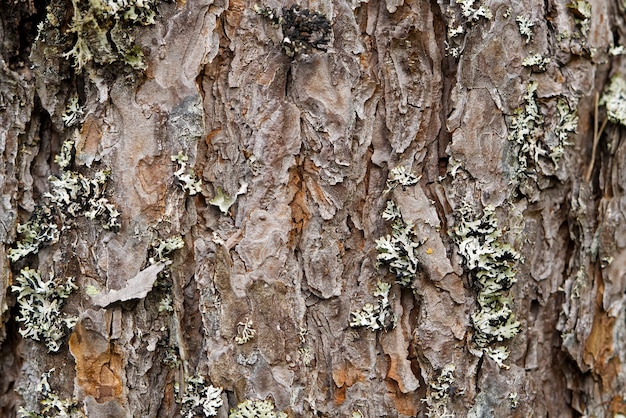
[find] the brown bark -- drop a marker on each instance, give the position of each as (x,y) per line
(305,145)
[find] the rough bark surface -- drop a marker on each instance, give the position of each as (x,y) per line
(305,146)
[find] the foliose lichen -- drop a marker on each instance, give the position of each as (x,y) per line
(40,302)
(471,12)
(536,61)
(375,317)
(102,30)
(490,264)
(39,231)
(245,332)
(256,409)
(398,251)
(185,177)
(525,26)
(533,143)
(439,393)
(52,406)
(614,98)
(73,112)
(302,29)
(200,399)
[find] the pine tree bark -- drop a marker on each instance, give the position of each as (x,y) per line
(273,166)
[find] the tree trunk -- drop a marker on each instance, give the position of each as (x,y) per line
(351,209)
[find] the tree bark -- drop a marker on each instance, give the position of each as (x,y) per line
(253,165)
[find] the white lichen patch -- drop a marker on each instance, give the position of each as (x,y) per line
(245,332)
(537,61)
(161,249)
(52,406)
(473,10)
(223,201)
(525,26)
(102,30)
(378,316)
(73,112)
(490,264)
(40,230)
(200,399)
(185,177)
(256,409)
(614,98)
(40,302)
(401,176)
(440,392)
(532,141)
(398,250)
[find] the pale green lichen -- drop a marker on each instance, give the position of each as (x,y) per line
(245,332)
(536,61)
(525,26)
(102,30)
(73,112)
(532,141)
(400,176)
(256,409)
(223,201)
(472,10)
(52,406)
(375,317)
(185,177)
(200,399)
(614,98)
(490,265)
(161,249)
(581,10)
(39,231)
(439,392)
(40,303)
(398,251)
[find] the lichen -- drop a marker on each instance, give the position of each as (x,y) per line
(439,393)
(223,201)
(490,264)
(73,112)
(614,98)
(40,302)
(52,406)
(186,178)
(533,142)
(102,30)
(471,12)
(245,332)
(536,61)
(200,399)
(39,231)
(375,317)
(398,250)
(525,26)
(303,30)
(256,409)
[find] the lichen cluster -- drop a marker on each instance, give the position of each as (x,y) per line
(200,399)
(614,99)
(71,195)
(398,250)
(302,29)
(534,144)
(39,302)
(439,393)
(375,317)
(256,409)
(471,12)
(52,406)
(185,177)
(102,29)
(74,194)
(490,264)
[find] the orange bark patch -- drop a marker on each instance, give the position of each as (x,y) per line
(98,364)
(405,403)
(344,376)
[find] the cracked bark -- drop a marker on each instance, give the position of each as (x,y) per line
(314,139)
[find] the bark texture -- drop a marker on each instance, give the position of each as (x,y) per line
(305,146)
